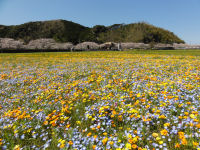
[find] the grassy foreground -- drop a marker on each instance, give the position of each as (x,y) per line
(100,100)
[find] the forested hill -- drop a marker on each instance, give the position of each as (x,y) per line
(67,31)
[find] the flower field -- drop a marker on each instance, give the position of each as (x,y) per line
(99,100)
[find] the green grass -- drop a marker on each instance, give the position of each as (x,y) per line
(114,54)
(167,52)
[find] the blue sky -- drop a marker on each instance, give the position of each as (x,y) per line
(179,16)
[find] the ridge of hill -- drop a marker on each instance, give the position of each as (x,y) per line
(67,31)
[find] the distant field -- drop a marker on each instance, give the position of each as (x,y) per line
(135,99)
(109,53)
(169,52)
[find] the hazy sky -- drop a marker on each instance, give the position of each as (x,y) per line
(179,16)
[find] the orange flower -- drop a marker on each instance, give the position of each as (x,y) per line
(70,142)
(120,117)
(89,134)
(95,136)
(53,123)
(45,123)
(111,143)
(177,145)
(198,125)
(130,141)
(62,145)
(94,146)
(181,135)
(134,146)
(184,141)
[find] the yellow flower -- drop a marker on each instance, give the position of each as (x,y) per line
(195,144)
(158,138)
(78,122)
(181,135)
(105,133)
(120,117)
(129,136)
(162,117)
(160,142)
(120,128)
(135,139)
(138,95)
(185,117)
(167,124)
(192,116)
(17,147)
(184,141)
(155,135)
(105,140)
(164,132)
(62,145)
(128,145)
(67,126)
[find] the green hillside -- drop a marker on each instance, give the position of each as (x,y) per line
(138,32)
(60,30)
(66,31)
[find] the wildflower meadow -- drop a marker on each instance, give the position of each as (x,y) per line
(100,101)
